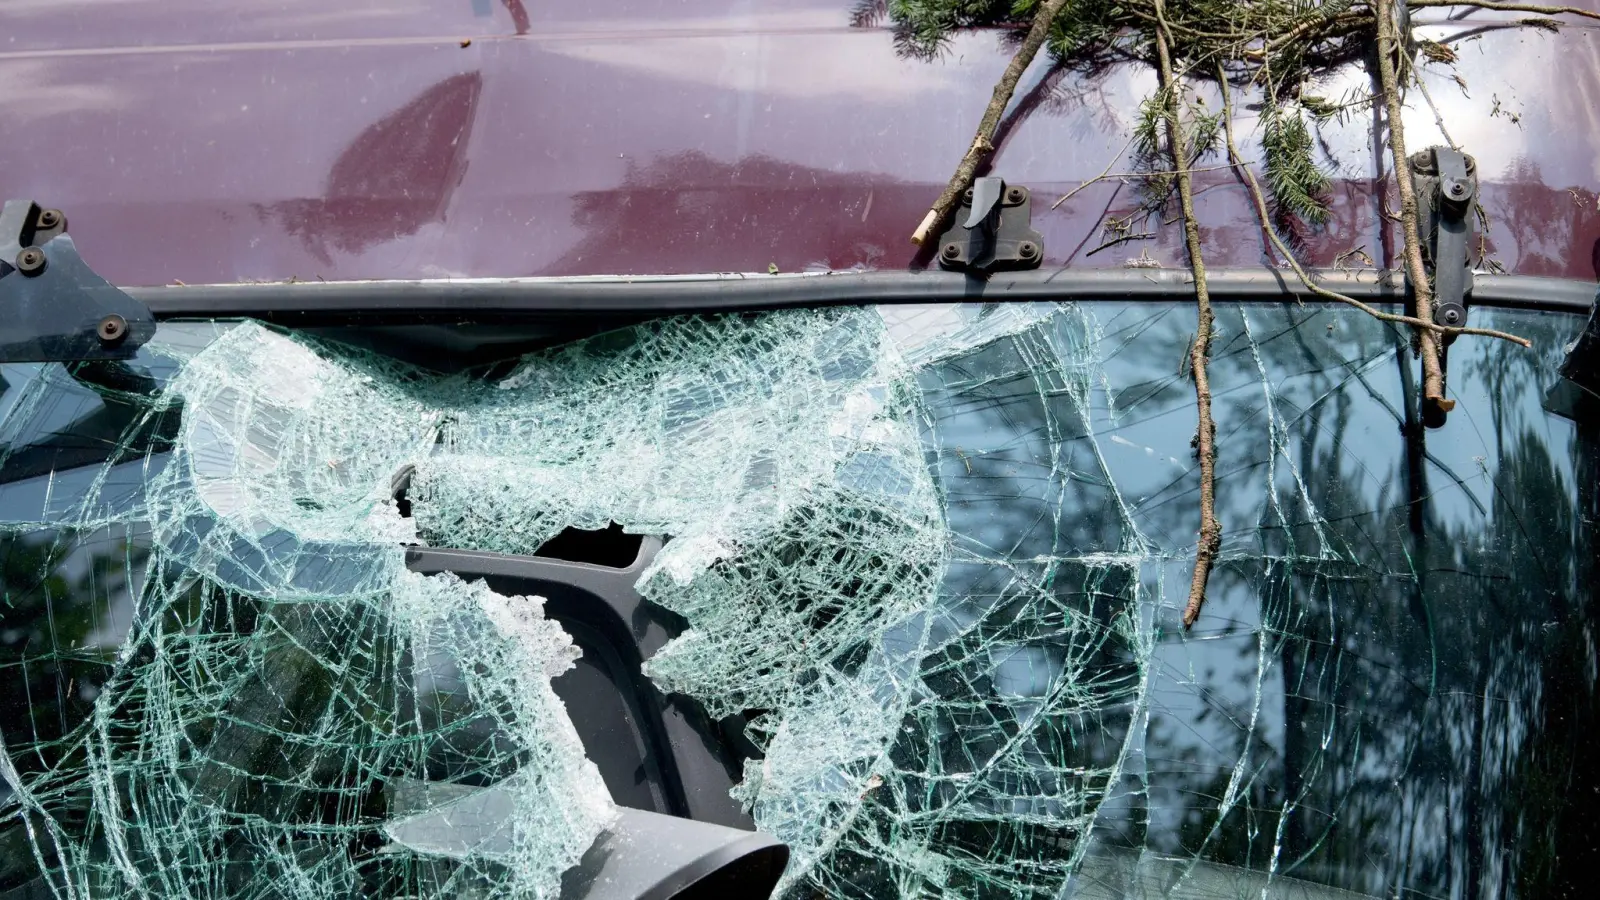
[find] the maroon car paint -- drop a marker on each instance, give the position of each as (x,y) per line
(399,139)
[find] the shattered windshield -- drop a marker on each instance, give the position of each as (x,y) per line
(932,560)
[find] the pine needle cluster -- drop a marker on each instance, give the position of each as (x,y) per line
(1282,47)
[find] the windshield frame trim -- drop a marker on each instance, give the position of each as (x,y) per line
(513,299)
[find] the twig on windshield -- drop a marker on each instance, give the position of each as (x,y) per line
(1104,173)
(1118,241)
(1349,20)
(1258,198)
(1210,541)
(1422,290)
(1539,8)
(983,141)
(1416,79)
(1116,176)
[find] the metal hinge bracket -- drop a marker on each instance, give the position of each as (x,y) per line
(993,231)
(53,307)
(1446,185)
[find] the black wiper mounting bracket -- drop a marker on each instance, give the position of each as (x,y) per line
(993,230)
(53,307)
(1446,185)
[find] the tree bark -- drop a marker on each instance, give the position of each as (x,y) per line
(1200,351)
(983,142)
(1428,342)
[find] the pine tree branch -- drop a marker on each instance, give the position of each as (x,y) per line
(1210,541)
(1118,241)
(1117,176)
(1339,24)
(1104,173)
(1416,79)
(983,141)
(1260,202)
(1539,8)
(1422,290)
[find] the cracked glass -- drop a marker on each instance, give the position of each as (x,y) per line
(930,559)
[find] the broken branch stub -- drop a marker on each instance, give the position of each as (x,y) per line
(983,142)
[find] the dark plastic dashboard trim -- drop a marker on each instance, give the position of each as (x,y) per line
(693,780)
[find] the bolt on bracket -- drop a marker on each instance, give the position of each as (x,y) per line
(993,231)
(1446,185)
(53,307)
(1447,194)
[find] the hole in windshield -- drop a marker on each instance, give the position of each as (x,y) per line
(609,546)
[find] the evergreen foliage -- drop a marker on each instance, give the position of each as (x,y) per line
(1281,47)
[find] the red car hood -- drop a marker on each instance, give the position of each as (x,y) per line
(402,139)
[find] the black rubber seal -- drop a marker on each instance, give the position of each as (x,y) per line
(490,300)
